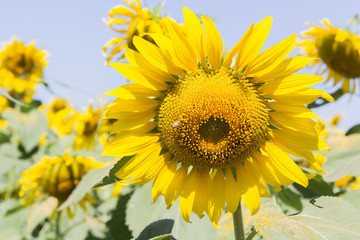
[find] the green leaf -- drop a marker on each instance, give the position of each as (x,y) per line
(353,130)
(39,211)
(156,229)
(27,127)
(344,158)
(290,198)
(117,226)
(85,184)
(111,178)
(29,107)
(326,218)
(164,237)
(353,196)
(320,101)
(12,226)
(141,211)
(4,93)
(317,187)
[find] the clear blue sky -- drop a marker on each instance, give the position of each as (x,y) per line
(73,33)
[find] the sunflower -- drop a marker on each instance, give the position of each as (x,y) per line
(61,116)
(4,103)
(88,127)
(56,177)
(131,21)
(21,68)
(209,131)
(339,52)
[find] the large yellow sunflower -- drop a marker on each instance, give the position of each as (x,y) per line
(56,177)
(129,22)
(209,131)
(339,52)
(21,68)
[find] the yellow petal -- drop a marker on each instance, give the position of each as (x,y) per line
(294,123)
(122,11)
(285,164)
(156,57)
(132,92)
(164,179)
(271,57)
(217,198)
(238,47)
(129,146)
(150,169)
(285,68)
(142,105)
(113,42)
(300,139)
(249,190)
(301,97)
(202,196)
(183,50)
(135,74)
(115,50)
(195,35)
(290,84)
(187,194)
(254,44)
(130,121)
(292,110)
(136,59)
(176,185)
(214,42)
(232,194)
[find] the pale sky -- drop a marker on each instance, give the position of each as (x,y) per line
(73,33)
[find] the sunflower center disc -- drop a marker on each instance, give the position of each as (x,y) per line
(341,56)
(213,118)
(20,64)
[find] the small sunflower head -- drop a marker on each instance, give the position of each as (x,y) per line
(21,67)
(131,21)
(61,116)
(87,128)
(338,50)
(54,176)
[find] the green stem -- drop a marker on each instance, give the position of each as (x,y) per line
(238,224)
(57,226)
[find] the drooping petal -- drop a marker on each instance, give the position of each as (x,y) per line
(187,194)
(163,179)
(232,194)
(285,164)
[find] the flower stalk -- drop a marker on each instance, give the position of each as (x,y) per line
(238,224)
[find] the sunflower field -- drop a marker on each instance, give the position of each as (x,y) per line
(153,125)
